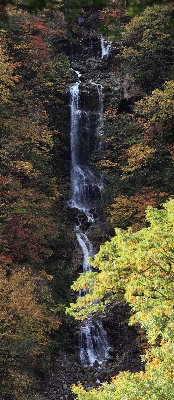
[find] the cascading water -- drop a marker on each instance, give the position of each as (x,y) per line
(105,47)
(85,124)
(93,343)
(86,133)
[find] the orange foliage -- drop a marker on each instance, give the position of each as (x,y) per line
(130,211)
(21,242)
(111,113)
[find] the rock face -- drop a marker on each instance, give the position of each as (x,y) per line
(124,354)
(85,53)
(92,69)
(127,343)
(95,68)
(63,374)
(87,57)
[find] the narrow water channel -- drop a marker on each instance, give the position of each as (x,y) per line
(86,134)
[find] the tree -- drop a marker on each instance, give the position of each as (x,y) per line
(157,111)
(139,268)
(159,106)
(147,51)
(25,328)
(73,7)
(29,185)
(33,77)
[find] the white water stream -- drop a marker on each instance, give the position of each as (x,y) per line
(86,190)
(105,47)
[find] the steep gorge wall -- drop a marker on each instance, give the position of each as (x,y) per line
(84,49)
(37,184)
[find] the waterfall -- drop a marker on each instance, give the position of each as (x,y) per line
(85,125)
(93,343)
(86,134)
(105,47)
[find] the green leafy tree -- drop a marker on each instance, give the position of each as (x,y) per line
(139,268)
(159,106)
(72,8)
(158,113)
(148,47)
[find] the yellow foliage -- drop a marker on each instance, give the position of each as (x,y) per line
(160,105)
(6,80)
(25,328)
(121,210)
(25,167)
(47,276)
(137,156)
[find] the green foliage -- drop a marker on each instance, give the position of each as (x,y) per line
(136,264)
(139,267)
(157,110)
(35,5)
(72,8)
(30,78)
(155,384)
(159,106)
(148,47)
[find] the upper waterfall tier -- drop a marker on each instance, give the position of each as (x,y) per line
(86,104)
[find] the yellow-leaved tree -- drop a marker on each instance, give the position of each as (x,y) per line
(25,325)
(139,268)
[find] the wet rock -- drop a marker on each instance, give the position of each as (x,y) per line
(75,66)
(125,348)
(96,364)
(62,376)
(65,386)
(111,350)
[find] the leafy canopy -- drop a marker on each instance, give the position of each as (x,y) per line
(25,325)
(139,267)
(74,7)
(148,47)
(159,106)
(136,265)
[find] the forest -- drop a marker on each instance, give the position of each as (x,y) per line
(40,265)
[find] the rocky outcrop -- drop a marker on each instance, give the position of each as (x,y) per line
(85,55)
(64,372)
(124,354)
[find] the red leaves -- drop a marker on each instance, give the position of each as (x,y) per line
(2,180)
(111,113)
(39,26)
(38,48)
(107,15)
(5,258)
(21,243)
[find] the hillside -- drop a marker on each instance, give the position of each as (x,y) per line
(130,92)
